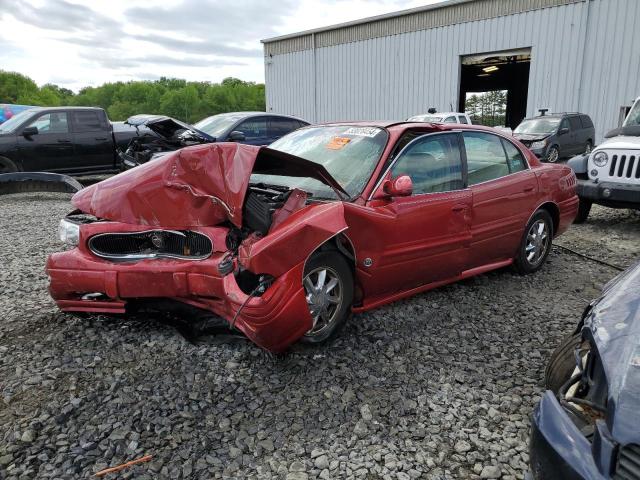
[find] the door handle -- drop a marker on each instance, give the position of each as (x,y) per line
(64,141)
(529,188)
(100,138)
(459,208)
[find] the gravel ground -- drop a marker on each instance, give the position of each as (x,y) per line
(437,386)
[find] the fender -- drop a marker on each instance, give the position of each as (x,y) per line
(579,163)
(19,182)
(291,242)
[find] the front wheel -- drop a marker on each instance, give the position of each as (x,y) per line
(328,286)
(584,207)
(553,155)
(7,166)
(562,363)
(536,243)
(588,147)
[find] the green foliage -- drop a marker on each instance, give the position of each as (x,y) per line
(487,108)
(187,101)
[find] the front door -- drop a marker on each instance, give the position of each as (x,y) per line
(422,238)
(51,149)
(504,195)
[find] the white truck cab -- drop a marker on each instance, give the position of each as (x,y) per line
(610,174)
(441,117)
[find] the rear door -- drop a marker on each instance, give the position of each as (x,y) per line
(51,149)
(422,238)
(504,196)
(93,140)
(578,138)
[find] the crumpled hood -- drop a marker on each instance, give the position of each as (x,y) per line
(614,322)
(203,185)
(166,126)
(527,137)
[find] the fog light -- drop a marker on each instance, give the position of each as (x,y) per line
(606,192)
(594,173)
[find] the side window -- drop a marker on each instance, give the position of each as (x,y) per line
(462,119)
(279,127)
(451,119)
(88,121)
(433,163)
(486,159)
(564,124)
(586,121)
(253,128)
(55,122)
(514,157)
(575,123)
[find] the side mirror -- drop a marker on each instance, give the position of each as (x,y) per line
(401,186)
(236,136)
(563,131)
(29,131)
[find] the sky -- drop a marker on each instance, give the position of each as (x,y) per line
(75,43)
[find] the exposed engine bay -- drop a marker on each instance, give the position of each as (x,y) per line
(143,148)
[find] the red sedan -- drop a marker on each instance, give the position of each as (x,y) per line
(285,242)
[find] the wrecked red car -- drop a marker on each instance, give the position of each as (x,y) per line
(284,242)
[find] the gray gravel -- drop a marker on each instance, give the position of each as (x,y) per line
(437,386)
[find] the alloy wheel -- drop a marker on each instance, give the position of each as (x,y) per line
(538,241)
(323,289)
(553,155)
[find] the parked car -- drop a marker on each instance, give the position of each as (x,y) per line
(587,424)
(251,128)
(285,241)
(610,174)
(75,140)
(442,117)
(555,136)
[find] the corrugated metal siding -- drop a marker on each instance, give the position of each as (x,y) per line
(397,76)
(439,17)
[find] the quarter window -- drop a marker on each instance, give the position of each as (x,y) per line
(486,159)
(433,163)
(55,122)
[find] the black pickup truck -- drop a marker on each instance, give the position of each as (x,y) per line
(73,140)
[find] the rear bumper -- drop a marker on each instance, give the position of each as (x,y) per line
(623,194)
(558,450)
(273,321)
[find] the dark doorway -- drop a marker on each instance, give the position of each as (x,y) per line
(490,73)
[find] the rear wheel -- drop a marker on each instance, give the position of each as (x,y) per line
(7,166)
(584,207)
(328,285)
(536,243)
(553,155)
(562,363)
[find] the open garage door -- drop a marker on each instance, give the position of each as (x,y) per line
(494,86)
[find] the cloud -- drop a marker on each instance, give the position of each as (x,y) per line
(198,46)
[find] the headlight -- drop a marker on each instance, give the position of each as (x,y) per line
(539,144)
(69,232)
(600,159)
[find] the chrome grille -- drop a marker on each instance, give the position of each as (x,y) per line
(628,465)
(624,166)
(184,244)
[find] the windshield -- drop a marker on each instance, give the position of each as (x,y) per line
(538,126)
(218,124)
(349,153)
(425,118)
(14,121)
(633,118)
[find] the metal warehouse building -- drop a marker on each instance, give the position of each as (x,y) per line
(564,55)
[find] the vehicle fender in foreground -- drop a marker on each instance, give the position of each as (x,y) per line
(579,163)
(292,241)
(19,182)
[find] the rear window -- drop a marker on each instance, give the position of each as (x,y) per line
(88,121)
(586,121)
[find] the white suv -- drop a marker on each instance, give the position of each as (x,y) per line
(610,174)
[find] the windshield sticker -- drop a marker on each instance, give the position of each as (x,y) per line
(362,131)
(337,143)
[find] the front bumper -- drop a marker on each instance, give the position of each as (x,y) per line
(558,450)
(273,321)
(623,194)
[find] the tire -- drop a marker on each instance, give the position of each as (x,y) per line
(588,147)
(7,166)
(331,316)
(562,363)
(535,244)
(553,155)
(584,207)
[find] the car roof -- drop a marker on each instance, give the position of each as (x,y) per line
(249,114)
(404,125)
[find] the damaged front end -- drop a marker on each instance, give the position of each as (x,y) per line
(590,427)
(192,228)
(168,134)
